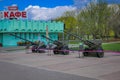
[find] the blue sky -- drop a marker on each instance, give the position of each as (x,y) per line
(43,3)
(46,9)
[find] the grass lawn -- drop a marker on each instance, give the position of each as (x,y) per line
(112,46)
(106,46)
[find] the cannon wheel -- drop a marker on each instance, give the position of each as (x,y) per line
(100,52)
(33,51)
(85,53)
(65,51)
(56,50)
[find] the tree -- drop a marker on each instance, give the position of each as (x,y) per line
(69,20)
(94,19)
(114,22)
(97,19)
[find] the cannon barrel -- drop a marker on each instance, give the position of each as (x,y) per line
(60,48)
(90,43)
(93,45)
(56,42)
(22,38)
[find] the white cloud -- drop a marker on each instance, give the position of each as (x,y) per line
(43,13)
(81,3)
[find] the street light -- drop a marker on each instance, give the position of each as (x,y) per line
(77,29)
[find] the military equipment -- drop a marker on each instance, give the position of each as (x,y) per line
(60,48)
(35,47)
(93,46)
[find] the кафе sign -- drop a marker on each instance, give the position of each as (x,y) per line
(12,12)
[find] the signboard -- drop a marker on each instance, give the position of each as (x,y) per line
(12,13)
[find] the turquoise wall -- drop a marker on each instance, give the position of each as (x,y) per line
(28,29)
(9,40)
(1,38)
(30,26)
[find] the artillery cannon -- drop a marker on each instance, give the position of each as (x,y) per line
(60,47)
(38,47)
(93,46)
(35,47)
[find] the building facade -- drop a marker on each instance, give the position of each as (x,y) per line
(28,29)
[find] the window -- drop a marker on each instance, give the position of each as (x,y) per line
(15,35)
(20,34)
(29,35)
(33,35)
(25,35)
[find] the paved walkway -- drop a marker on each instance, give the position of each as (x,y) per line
(9,71)
(107,68)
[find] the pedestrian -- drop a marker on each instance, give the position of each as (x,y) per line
(27,48)
(81,48)
(50,51)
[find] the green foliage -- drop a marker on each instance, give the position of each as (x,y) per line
(74,42)
(112,46)
(97,19)
(114,22)
(69,19)
(94,18)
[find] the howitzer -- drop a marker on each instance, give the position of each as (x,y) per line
(60,48)
(93,46)
(35,47)
(22,38)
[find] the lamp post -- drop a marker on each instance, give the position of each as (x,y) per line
(77,29)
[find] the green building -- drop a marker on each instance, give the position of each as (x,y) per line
(28,29)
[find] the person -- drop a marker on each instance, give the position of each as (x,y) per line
(81,48)
(27,48)
(49,47)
